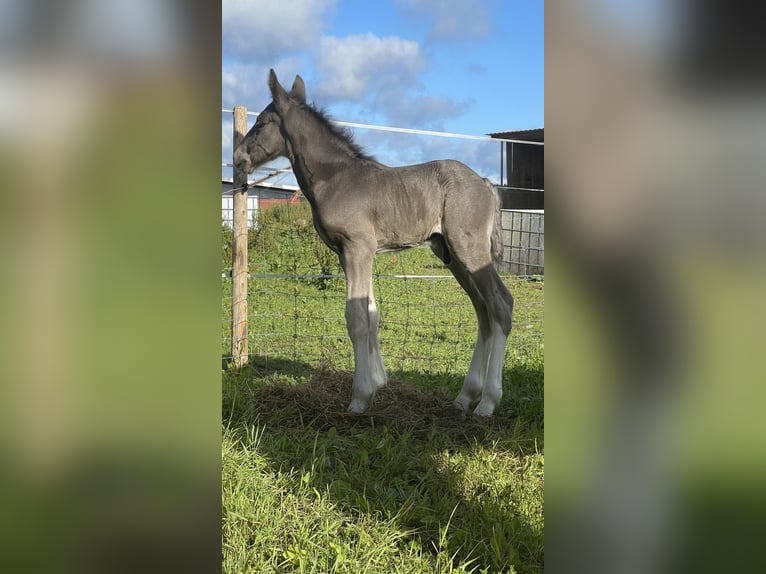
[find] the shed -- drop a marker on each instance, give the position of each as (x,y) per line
(260,196)
(522,168)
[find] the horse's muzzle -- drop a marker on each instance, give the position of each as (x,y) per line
(242,162)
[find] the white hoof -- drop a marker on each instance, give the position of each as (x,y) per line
(358,406)
(484,409)
(462,403)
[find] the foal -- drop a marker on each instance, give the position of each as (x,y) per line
(361,207)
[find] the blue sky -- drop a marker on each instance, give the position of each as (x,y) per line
(461,66)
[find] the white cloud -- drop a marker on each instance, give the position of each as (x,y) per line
(383,74)
(261,30)
(396,149)
(245,84)
(241,84)
(452,19)
(355,67)
(402,109)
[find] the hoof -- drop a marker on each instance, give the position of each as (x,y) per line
(462,404)
(484,410)
(358,407)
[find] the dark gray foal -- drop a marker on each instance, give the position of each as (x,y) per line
(362,207)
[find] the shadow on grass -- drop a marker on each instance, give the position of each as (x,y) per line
(413,456)
(299,394)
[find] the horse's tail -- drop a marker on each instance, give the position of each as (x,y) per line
(496,239)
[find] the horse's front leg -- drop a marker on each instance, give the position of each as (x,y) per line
(357,264)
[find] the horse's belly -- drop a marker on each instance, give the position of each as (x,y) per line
(389,248)
(404,239)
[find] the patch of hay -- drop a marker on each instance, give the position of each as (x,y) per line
(322,402)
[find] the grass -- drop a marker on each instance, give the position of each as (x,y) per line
(411,486)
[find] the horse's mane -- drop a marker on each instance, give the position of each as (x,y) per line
(344,136)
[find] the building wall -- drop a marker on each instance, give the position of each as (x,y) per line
(526,177)
(526,167)
(227,210)
(257,197)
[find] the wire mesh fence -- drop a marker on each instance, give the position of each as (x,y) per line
(523,242)
(296,295)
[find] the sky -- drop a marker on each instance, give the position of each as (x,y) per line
(460,66)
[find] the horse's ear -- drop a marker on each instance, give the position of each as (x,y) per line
(273,82)
(298,91)
(278,93)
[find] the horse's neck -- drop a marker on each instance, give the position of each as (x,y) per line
(318,161)
(303,175)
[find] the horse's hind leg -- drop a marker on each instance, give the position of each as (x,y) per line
(499,304)
(473,384)
(471,263)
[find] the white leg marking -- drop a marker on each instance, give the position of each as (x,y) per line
(378,370)
(362,391)
(474,379)
(492,392)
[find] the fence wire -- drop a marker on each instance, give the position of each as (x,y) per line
(296,300)
(523,242)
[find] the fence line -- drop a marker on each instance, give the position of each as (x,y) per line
(334,276)
(296,315)
(427,326)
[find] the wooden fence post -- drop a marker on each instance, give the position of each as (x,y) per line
(239,350)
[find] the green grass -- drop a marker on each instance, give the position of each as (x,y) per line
(409,487)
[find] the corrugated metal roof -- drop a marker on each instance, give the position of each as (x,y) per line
(535,135)
(277,189)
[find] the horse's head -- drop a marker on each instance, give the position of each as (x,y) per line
(265,140)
